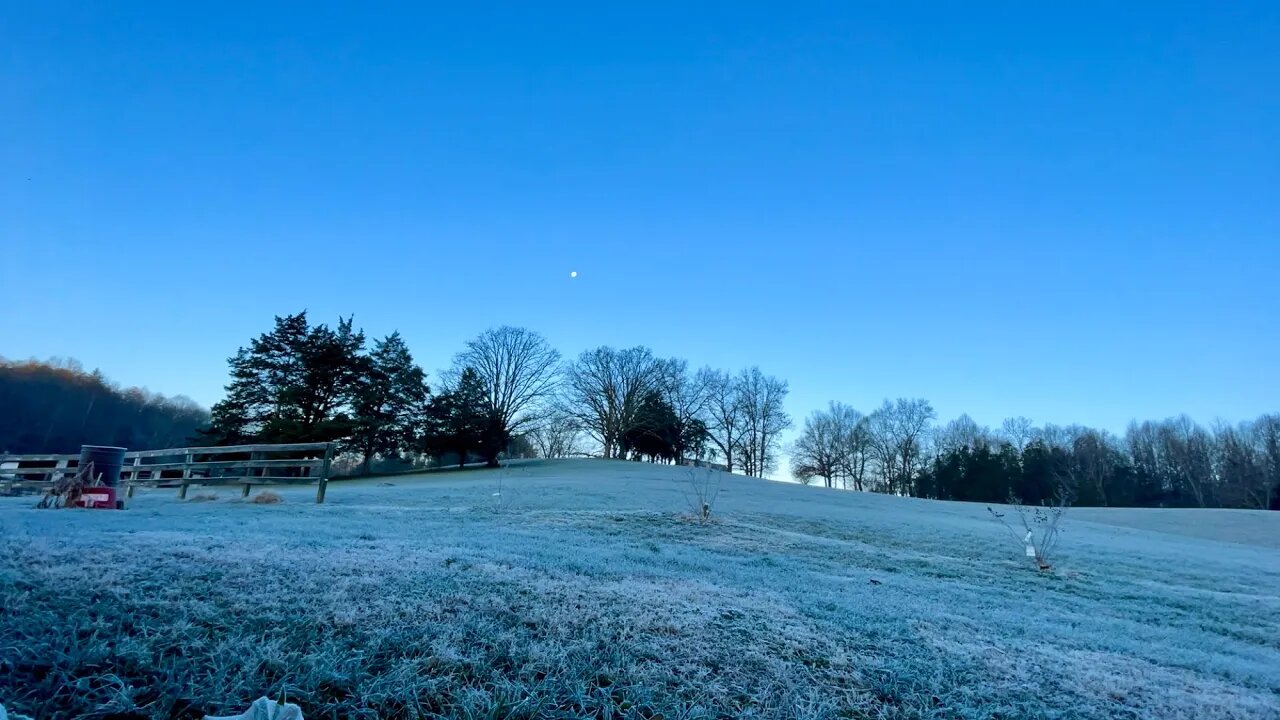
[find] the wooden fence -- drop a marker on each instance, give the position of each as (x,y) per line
(243,465)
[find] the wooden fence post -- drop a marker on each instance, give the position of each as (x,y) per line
(133,475)
(251,472)
(324,472)
(186,475)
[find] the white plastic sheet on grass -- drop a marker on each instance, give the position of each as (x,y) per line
(261,709)
(6,716)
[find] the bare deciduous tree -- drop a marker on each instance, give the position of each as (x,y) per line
(519,370)
(860,450)
(899,430)
(1187,448)
(832,445)
(724,416)
(764,419)
(1057,436)
(1246,459)
(1094,459)
(688,395)
(1265,436)
(820,449)
(1018,431)
(1177,457)
(604,390)
(555,435)
(962,432)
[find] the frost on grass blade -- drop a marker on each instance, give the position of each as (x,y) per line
(598,578)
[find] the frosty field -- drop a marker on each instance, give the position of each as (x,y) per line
(585,590)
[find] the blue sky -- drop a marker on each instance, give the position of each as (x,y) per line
(1067,213)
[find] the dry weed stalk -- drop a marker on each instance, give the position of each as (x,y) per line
(68,488)
(266,497)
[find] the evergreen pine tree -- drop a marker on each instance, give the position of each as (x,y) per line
(459,422)
(389,403)
(293,384)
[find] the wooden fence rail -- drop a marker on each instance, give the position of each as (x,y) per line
(244,465)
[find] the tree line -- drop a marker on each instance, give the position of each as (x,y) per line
(1171,463)
(56,406)
(507,392)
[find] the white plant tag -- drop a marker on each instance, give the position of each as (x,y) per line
(5,716)
(264,709)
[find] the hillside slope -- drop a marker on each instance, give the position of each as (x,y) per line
(582,588)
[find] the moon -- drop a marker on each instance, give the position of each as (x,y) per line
(573,274)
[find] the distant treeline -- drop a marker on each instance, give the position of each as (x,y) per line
(507,393)
(1170,463)
(56,406)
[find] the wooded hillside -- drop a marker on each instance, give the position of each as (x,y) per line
(56,406)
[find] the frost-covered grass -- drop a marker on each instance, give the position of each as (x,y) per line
(584,591)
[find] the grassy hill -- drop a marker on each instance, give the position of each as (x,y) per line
(584,589)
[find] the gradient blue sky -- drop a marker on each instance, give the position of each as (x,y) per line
(1068,213)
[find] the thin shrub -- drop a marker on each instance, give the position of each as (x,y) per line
(1040,528)
(702,487)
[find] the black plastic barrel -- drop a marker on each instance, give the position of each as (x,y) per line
(107,462)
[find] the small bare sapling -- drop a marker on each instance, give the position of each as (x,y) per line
(1039,531)
(502,496)
(701,489)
